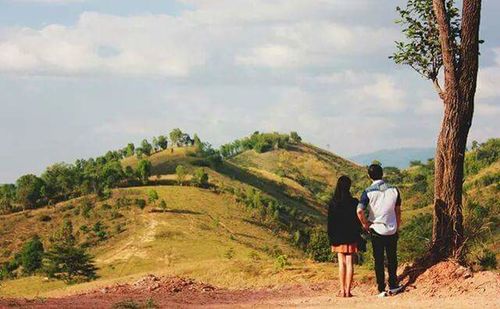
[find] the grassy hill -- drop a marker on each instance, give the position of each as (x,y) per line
(239,232)
(202,234)
(254,224)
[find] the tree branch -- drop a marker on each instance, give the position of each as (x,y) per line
(446,41)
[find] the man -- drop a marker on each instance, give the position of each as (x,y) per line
(384,219)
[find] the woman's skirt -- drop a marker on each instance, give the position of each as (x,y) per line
(346,248)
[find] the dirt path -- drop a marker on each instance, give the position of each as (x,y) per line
(446,285)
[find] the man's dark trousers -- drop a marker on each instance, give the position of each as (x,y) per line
(389,244)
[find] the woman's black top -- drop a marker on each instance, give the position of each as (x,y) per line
(343,223)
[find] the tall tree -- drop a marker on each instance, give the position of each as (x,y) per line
(439,37)
(29,190)
(175,136)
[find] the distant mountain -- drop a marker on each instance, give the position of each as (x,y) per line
(400,157)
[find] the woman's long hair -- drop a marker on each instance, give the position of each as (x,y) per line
(343,189)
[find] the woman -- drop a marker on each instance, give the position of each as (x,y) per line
(344,231)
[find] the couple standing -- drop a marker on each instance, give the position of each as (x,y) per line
(346,219)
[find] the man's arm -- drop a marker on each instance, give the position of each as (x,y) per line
(398,210)
(363,203)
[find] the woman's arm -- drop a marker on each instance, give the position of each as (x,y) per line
(330,223)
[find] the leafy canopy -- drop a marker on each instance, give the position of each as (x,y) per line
(422,50)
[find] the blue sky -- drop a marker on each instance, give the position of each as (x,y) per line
(78,77)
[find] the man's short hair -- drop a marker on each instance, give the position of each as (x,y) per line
(375,172)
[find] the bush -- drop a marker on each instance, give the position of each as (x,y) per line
(415,237)
(488,260)
(31,255)
(86,208)
(152,196)
(200,178)
(140,203)
(163,205)
(319,246)
(281,262)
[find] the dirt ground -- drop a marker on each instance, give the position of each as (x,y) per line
(445,285)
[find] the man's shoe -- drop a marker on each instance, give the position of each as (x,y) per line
(396,290)
(382,294)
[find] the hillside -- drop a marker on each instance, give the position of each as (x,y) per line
(253,224)
(251,221)
(202,234)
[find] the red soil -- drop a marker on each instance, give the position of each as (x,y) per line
(444,280)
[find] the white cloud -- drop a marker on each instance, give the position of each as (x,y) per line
(489,79)
(294,34)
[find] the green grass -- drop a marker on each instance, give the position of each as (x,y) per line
(192,239)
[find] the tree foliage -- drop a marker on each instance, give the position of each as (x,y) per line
(422,49)
(31,255)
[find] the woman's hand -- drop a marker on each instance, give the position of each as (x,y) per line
(332,248)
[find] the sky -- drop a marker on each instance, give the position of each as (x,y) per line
(81,77)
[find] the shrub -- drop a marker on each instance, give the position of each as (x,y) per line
(415,237)
(86,208)
(200,178)
(31,255)
(152,196)
(281,262)
(319,246)
(100,231)
(180,170)
(140,203)
(163,205)
(488,260)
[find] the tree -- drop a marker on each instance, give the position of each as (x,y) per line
(437,37)
(146,147)
(200,178)
(175,136)
(295,137)
(29,189)
(7,197)
(162,142)
(163,205)
(129,150)
(180,170)
(31,255)
(69,263)
(152,196)
(144,170)
(65,261)
(197,142)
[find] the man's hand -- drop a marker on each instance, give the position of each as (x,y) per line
(366,225)
(364,221)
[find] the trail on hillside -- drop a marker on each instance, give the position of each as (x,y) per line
(445,285)
(134,246)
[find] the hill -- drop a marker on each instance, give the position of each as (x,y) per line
(400,157)
(258,218)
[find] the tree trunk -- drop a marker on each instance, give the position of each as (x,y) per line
(460,88)
(448,234)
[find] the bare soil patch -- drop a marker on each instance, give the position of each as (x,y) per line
(446,284)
